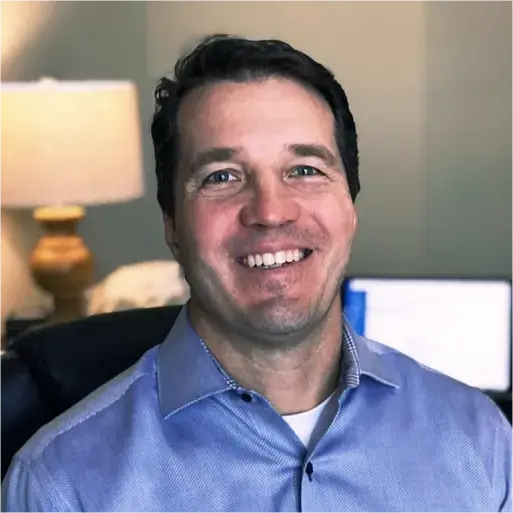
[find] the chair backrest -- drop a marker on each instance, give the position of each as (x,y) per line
(49,369)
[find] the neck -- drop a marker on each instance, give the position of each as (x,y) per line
(294,379)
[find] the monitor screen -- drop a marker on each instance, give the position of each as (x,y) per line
(461,328)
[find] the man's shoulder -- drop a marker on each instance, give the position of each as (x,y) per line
(436,393)
(436,418)
(101,411)
(411,371)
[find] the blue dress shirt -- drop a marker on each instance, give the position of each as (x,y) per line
(176,433)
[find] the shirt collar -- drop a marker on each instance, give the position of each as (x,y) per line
(361,357)
(188,372)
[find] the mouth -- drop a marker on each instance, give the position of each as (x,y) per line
(267,261)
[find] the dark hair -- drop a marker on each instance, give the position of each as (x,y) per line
(224,57)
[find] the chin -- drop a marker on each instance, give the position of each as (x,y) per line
(281,317)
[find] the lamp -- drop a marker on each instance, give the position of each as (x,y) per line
(66,145)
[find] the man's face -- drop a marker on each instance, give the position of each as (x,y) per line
(263,220)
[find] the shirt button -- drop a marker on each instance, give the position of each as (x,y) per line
(246,397)
(309,470)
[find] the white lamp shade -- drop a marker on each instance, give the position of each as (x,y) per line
(70,143)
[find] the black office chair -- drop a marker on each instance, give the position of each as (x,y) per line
(47,370)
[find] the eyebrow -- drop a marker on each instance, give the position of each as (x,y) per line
(210,156)
(222,154)
(313,150)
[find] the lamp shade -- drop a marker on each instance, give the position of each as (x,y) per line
(70,143)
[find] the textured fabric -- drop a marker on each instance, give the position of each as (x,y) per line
(175,433)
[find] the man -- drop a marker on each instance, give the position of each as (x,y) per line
(262,398)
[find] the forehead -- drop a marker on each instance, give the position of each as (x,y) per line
(258,116)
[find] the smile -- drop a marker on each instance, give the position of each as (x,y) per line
(275,260)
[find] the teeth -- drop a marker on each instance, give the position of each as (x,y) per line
(274,259)
(268,259)
(280,257)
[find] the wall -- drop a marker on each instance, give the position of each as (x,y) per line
(429,84)
(468,138)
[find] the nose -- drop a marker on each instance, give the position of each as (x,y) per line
(270,205)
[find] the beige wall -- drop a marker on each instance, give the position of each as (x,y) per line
(429,84)
(468,138)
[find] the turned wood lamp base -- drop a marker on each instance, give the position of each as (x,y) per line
(61,263)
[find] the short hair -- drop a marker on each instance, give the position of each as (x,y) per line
(229,58)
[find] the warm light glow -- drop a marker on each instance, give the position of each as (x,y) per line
(70,143)
(22,23)
(18,291)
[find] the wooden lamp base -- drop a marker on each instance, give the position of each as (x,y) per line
(61,263)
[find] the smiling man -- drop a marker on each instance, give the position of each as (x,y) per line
(262,223)
(262,398)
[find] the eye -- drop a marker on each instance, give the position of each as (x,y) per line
(219,177)
(305,171)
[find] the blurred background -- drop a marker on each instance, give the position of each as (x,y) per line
(429,84)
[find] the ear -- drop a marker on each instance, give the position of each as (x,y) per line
(170,235)
(355,219)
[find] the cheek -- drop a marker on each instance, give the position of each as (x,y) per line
(339,218)
(206,226)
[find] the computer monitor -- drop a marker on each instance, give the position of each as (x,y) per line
(461,328)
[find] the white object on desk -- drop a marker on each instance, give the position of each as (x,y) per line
(142,285)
